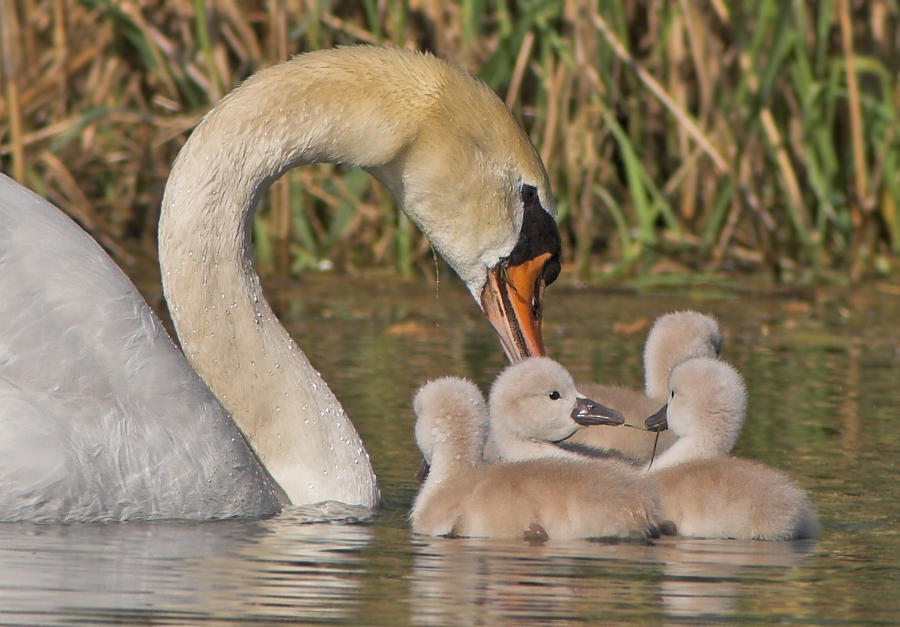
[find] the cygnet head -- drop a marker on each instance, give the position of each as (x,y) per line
(451,423)
(674,338)
(536,401)
(706,408)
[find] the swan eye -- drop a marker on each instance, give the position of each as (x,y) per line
(554,395)
(672,395)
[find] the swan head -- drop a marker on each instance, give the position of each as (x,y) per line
(471,180)
(707,403)
(674,338)
(536,400)
(512,293)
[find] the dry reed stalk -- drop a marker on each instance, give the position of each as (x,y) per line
(583,137)
(61,50)
(335,22)
(279,195)
(679,94)
(653,85)
(519,70)
(154,39)
(10,38)
(786,170)
(706,65)
(76,204)
(555,75)
(240,34)
(856,131)
(209,54)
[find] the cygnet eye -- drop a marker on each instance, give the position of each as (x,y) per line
(554,395)
(673,394)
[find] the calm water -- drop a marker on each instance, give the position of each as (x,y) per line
(822,368)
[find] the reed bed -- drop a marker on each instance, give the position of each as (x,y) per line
(708,135)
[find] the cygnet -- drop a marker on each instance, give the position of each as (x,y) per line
(706,493)
(543,493)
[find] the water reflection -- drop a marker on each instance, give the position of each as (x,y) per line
(489,582)
(284,568)
(822,380)
(486,582)
(709,578)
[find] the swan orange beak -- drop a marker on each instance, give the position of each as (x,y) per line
(512,299)
(513,294)
(658,422)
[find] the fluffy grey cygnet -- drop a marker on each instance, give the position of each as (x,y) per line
(705,492)
(557,496)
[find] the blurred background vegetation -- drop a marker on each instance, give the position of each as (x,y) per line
(679,135)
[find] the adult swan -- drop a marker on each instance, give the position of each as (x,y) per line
(101,418)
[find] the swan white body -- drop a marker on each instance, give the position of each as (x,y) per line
(674,338)
(703,491)
(103,419)
(540,495)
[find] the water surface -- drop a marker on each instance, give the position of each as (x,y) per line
(822,372)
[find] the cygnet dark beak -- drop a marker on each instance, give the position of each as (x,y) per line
(588,412)
(657,422)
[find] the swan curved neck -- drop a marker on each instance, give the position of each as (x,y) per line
(280,118)
(456,163)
